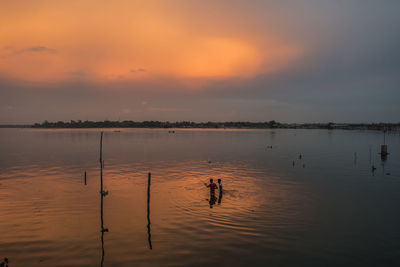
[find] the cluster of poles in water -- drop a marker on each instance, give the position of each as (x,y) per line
(104,193)
(384,154)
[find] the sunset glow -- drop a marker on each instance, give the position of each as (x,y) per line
(198,60)
(128,40)
(198,132)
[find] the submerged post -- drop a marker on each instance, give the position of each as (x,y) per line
(148,211)
(85,177)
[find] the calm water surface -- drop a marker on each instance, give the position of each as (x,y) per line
(327,209)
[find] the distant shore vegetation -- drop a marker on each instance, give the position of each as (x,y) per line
(215,125)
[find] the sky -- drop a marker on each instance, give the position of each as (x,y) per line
(210,60)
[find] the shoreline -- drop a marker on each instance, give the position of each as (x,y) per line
(391,127)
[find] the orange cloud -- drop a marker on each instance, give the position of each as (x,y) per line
(127,40)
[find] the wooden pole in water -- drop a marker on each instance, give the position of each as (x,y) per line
(85,177)
(384,152)
(101,200)
(102,228)
(148,211)
(101,163)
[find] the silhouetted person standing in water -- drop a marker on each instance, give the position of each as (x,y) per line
(220,186)
(212,187)
(220,191)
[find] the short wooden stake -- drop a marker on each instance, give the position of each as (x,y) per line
(148,211)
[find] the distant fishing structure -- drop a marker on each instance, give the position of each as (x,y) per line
(384,152)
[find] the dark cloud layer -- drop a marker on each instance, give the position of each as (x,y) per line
(35,49)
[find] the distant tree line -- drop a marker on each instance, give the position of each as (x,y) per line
(231,124)
(155,124)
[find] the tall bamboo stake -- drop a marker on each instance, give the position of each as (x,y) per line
(101,163)
(101,200)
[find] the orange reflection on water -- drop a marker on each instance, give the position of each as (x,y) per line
(53,217)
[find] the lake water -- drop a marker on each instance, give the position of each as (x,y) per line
(328,209)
